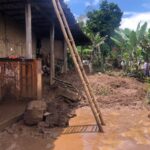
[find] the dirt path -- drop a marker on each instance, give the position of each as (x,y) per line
(122,101)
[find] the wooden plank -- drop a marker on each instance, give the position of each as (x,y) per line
(28,16)
(23,80)
(77,61)
(28,78)
(39,79)
(52,54)
(34,79)
(65,67)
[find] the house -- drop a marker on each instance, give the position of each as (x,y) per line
(29,29)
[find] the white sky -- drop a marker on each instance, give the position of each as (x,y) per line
(132,19)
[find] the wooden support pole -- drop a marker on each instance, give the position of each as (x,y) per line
(28,19)
(65,67)
(79,61)
(52,54)
(0,93)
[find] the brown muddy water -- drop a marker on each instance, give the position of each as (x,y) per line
(126,129)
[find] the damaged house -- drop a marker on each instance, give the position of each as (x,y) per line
(31,37)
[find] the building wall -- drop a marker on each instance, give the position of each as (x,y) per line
(58,48)
(13,37)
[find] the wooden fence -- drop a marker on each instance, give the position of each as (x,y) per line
(20,79)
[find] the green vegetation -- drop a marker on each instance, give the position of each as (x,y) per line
(100,27)
(112,46)
(133,47)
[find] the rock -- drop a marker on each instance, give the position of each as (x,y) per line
(15,136)
(35,112)
(48,146)
(99,73)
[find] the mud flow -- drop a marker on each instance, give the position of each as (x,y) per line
(125,130)
(123,104)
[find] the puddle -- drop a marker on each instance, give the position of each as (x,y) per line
(125,130)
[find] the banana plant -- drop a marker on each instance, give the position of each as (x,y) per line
(129,42)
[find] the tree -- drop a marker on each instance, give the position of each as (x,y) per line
(102,23)
(105,19)
(145,44)
(96,50)
(133,45)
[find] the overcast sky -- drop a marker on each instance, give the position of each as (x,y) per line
(134,10)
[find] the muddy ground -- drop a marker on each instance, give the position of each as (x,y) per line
(121,95)
(113,90)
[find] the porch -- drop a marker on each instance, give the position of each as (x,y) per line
(30,38)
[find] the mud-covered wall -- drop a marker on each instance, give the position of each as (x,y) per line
(58,48)
(13,38)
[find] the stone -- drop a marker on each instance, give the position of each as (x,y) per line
(15,136)
(48,146)
(35,112)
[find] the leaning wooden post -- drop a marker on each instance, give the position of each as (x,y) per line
(28,19)
(65,67)
(77,61)
(52,54)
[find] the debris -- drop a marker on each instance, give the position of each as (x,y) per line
(9,130)
(48,146)
(35,112)
(71,95)
(60,112)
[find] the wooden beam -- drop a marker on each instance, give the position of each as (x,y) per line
(52,54)
(39,78)
(28,16)
(65,67)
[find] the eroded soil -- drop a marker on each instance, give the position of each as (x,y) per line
(113,91)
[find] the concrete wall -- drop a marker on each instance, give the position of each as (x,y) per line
(12,37)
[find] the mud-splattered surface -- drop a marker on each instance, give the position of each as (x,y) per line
(113,91)
(122,101)
(125,130)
